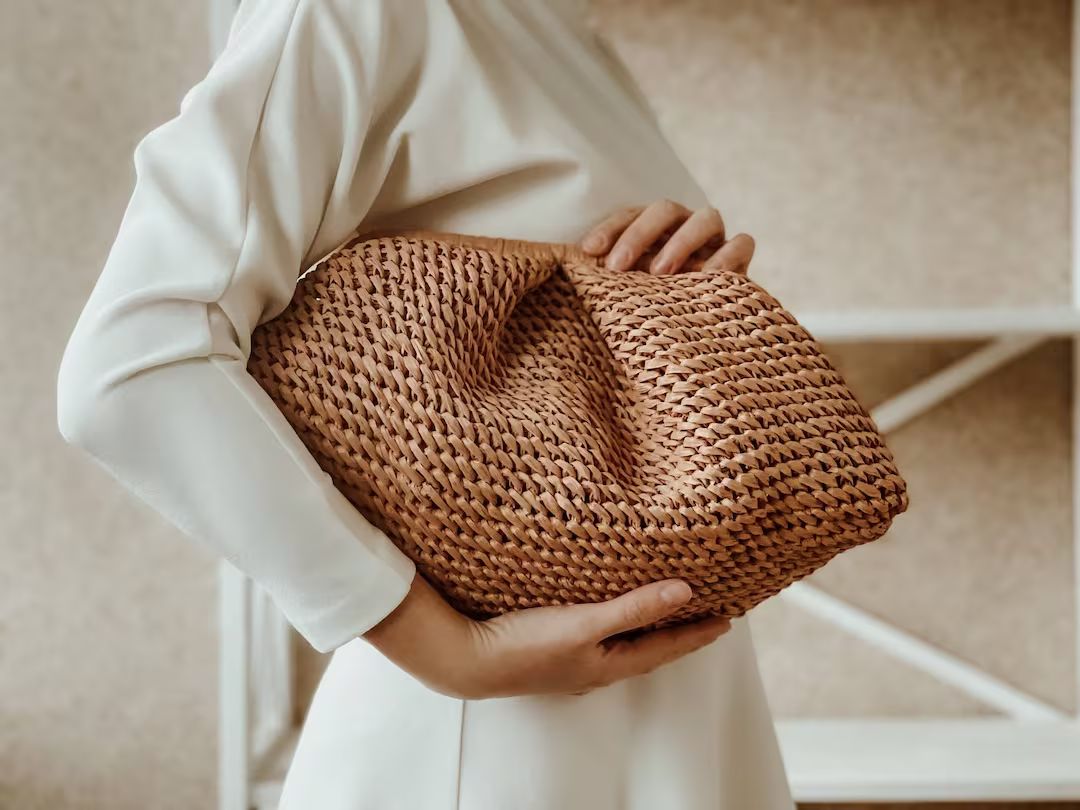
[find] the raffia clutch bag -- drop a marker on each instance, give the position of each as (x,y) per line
(533,429)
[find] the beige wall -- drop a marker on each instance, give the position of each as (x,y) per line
(107,657)
(885,154)
(892,153)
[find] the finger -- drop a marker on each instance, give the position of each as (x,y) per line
(704,225)
(637,608)
(628,658)
(734,256)
(640,234)
(602,236)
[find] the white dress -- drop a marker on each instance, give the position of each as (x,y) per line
(495,118)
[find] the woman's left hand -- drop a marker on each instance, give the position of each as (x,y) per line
(674,234)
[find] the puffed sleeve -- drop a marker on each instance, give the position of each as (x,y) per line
(272,158)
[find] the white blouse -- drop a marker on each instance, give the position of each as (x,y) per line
(495,118)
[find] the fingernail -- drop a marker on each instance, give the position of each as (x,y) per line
(616,259)
(659,267)
(594,242)
(675,593)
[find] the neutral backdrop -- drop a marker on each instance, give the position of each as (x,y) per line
(906,153)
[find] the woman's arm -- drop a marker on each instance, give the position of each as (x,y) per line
(269,165)
(234,197)
(551,650)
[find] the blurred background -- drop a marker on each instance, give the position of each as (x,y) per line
(905,168)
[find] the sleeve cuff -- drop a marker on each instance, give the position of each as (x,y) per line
(372,602)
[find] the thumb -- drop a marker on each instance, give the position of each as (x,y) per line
(636,608)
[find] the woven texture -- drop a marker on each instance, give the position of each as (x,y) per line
(533,429)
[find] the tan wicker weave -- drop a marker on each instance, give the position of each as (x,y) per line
(533,429)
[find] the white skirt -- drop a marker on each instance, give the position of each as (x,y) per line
(696,734)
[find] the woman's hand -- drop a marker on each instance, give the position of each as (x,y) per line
(567,650)
(673,234)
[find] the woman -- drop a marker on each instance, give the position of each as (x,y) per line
(476,116)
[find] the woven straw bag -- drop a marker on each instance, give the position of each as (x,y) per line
(534,429)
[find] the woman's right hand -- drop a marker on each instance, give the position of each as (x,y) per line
(560,650)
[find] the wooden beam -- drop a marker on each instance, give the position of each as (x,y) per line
(939,663)
(940,324)
(234,716)
(940,386)
(920,759)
